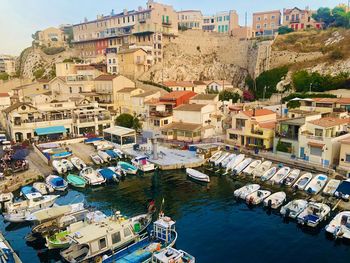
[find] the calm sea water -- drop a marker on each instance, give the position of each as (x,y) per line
(211,224)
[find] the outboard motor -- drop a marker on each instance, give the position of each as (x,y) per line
(269,203)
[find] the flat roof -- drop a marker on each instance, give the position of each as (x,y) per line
(119,130)
(190,107)
(205,97)
(183,126)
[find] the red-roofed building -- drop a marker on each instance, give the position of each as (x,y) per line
(177,97)
(299,19)
(253,128)
(5,100)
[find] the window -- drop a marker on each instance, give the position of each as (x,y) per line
(102,243)
(319,132)
(347,158)
(80,89)
(265,25)
(273,17)
(316,151)
(258,18)
(70,90)
(116,238)
(127,232)
(258,26)
(272,25)
(287,18)
(233,136)
(167,121)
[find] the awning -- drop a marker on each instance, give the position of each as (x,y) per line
(50,130)
(314,144)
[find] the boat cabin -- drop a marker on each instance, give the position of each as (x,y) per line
(172,255)
(163,228)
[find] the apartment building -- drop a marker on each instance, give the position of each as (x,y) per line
(252,128)
(320,140)
(125,28)
(21,120)
(133,62)
(300,19)
(266,23)
(8,64)
(190,19)
(221,22)
(325,105)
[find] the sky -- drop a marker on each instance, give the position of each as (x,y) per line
(19,19)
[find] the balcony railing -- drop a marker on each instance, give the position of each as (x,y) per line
(160,113)
(289,136)
(52,118)
(317,138)
(103,118)
(167,23)
(257,132)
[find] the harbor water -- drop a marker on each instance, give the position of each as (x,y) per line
(211,225)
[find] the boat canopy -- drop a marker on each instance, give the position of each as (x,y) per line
(107,173)
(111,153)
(28,190)
(57,181)
(50,130)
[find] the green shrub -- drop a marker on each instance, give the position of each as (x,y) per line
(336,54)
(226,95)
(284,30)
(39,73)
(4,76)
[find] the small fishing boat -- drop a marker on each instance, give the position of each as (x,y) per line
(68,164)
(142,163)
(120,173)
(127,167)
(42,188)
(215,156)
(76,180)
(316,184)
(275,200)
(59,167)
(61,155)
(118,152)
(18,211)
(6,197)
(92,140)
(339,227)
(268,174)
(246,190)
(91,176)
(342,190)
(331,187)
(280,175)
(292,177)
(173,255)
(241,166)
(196,175)
(313,214)
(78,163)
(112,154)
(251,167)
(56,182)
(96,159)
(104,156)
(302,181)
(231,165)
(222,158)
(293,208)
(261,169)
(227,160)
(29,192)
(257,197)
(108,174)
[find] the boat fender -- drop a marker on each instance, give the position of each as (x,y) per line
(98,259)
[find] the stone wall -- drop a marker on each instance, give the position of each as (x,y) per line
(281,58)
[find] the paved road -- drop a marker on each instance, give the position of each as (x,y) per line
(35,162)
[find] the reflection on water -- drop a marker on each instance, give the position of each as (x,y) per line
(211,224)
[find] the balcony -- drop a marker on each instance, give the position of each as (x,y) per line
(103,91)
(167,23)
(104,118)
(289,136)
(257,132)
(295,20)
(160,113)
(140,62)
(316,138)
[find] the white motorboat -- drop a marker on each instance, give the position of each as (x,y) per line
(78,163)
(302,181)
(241,166)
(68,164)
(246,190)
(170,254)
(142,163)
(313,214)
(59,167)
(293,208)
(268,174)
(316,184)
(197,175)
(56,182)
(6,197)
(90,175)
(42,188)
(96,159)
(29,192)
(103,145)
(339,227)
(118,152)
(221,159)
(261,169)
(257,197)
(231,165)
(331,187)
(215,156)
(18,211)
(104,156)
(292,177)
(229,158)
(280,175)
(275,200)
(251,167)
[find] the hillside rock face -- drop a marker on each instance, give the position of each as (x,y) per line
(197,55)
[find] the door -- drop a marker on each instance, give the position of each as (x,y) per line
(302,152)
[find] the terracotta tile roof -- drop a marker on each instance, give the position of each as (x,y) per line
(330,122)
(183,126)
(315,144)
(287,11)
(258,112)
(154,101)
(190,107)
(332,100)
(146,94)
(5,94)
(105,77)
(177,94)
(199,82)
(17,105)
(178,83)
(268,125)
(126,90)
(204,97)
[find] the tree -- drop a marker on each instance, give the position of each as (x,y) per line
(227,95)
(248,95)
(125,120)
(324,15)
(284,30)
(4,76)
